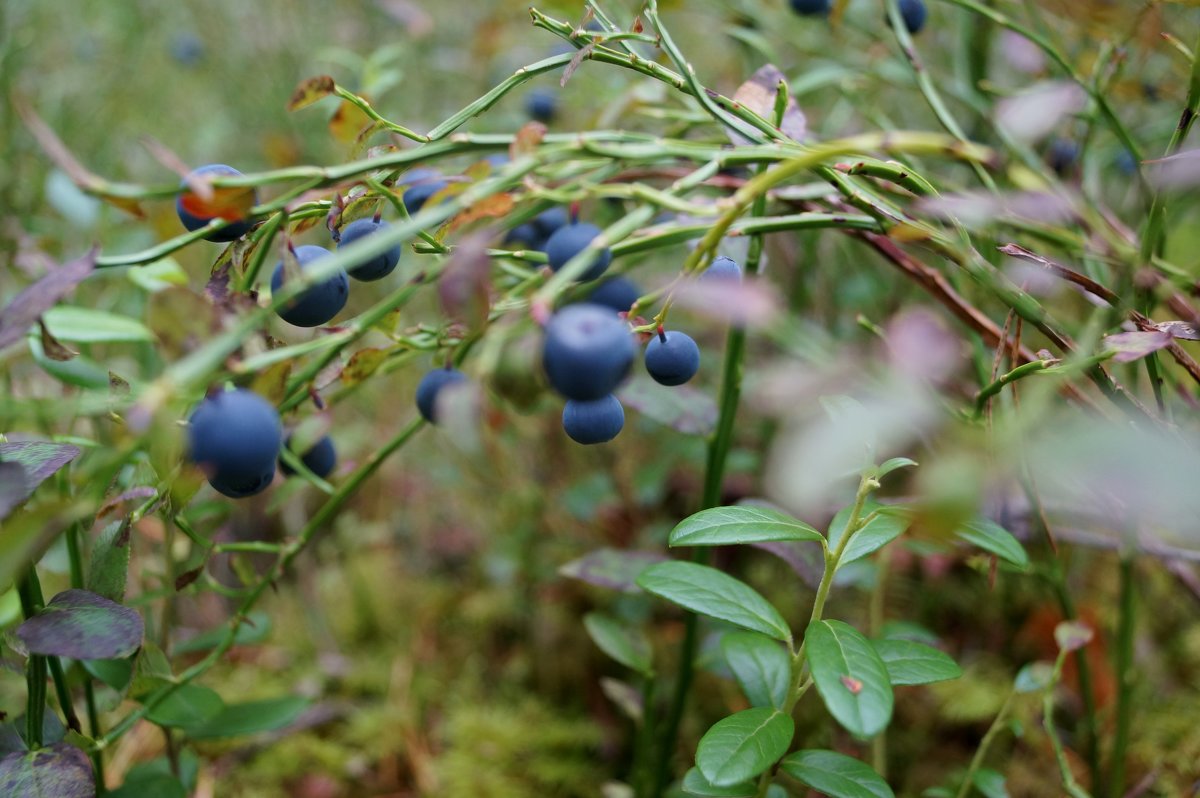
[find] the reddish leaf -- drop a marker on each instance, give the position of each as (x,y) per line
(527,139)
(758,94)
(463,287)
(35,300)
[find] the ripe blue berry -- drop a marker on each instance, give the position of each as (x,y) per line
(525,236)
(235,437)
(722,268)
(548,222)
(542,105)
(618,293)
(810,7)
(430,386)
(425,184)
(320,459)
(320,302)
(914,13)
(1126,163)
(672,358)
(595,421)
(568,241)
(1062,155)
(377,267)
(587,352)
(195,213)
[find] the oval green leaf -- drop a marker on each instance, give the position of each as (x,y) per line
(877,533)
(730,526)
(89,326)
(253,717)
(850,676)
(741,746)
(915,663)
(60,770)
(710,592)
(627,646)
(694,783)
(82,625)
(993,538)
(836,775)
(186,705)
(761,666)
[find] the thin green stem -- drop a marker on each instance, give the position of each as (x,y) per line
(35,667)
(1060,755)
(1126,675)
(985,745)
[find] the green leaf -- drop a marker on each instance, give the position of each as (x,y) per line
(993,538)
(850,676)
(990,783)
(158,275)
(877,533)
(835,775)
(57,771)
(253,717)
(915,663)
(158,785)
(109,564)
(253,629)
(626,646)
(710,592)
(82,625)
(743,745)
(893,464)
(761,666)
(87,326)
(730,526)
(80,371)
(694,783)
(187,705)
(116,673)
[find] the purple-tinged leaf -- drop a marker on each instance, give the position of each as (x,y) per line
(759,95)
(82,625)
(1131,346)
(611,568)
(1181,170)
(35,300)
(1183,330)
(805,560)
(463,287)
(748,303)
(1072,635)
(37,461)
(59,771)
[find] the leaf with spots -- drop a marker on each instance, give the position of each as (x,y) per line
(38,461)
(311,90)
(59,771)
(82,625)
(850,676)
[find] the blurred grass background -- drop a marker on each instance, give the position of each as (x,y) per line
(431,624)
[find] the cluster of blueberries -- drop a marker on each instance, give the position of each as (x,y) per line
(588,349)
(913,11)
(236,436)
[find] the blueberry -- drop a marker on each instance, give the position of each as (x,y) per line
(425,184)
(498,160)
(1126,163)
(618,293)
(320,459)
(187,49)
(378,267)
(241,488)
(568,241)
(1062,155)
(548,222)
(587,351)
(525,236)
(914,13)
(672,358)
(198,213)
(431,386)
(595,421)
(320,302)
(542,105)
(810,7)
(235,437)
(722,268)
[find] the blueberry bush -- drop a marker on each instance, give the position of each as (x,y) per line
(729,399)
